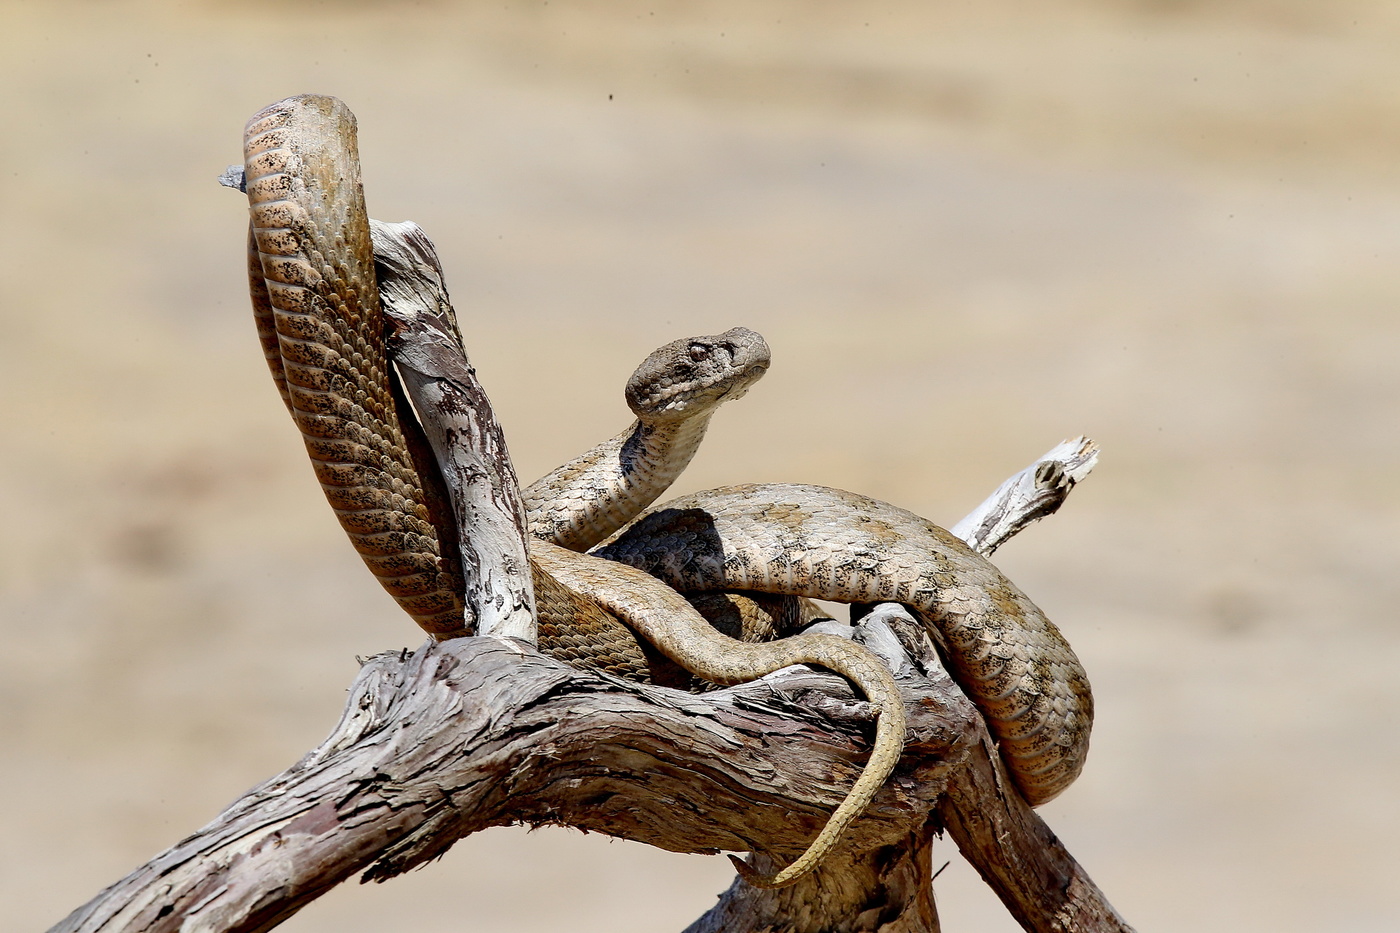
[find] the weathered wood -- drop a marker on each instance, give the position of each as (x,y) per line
(1035,492)
(1019,856)
(462,430)
(477,732)
(886,887)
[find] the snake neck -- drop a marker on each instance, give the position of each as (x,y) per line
(593,495)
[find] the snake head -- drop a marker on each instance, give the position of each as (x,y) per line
(690,376)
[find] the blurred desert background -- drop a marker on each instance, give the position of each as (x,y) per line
(967,230)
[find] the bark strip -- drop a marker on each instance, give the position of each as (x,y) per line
(462,430)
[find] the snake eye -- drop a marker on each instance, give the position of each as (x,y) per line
(698,351)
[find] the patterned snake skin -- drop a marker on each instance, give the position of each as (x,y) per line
(317,307)
(323,339)
(830,544)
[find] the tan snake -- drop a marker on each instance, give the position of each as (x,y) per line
(831,544)
(317,307)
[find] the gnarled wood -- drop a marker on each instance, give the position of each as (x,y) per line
(477,732)
(1035,492)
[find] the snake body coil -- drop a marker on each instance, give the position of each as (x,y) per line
(831,544)
(312,273)
(317,306)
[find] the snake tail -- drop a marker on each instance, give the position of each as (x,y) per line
(663,618)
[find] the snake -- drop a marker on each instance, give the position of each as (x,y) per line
(322,330)
(673,393)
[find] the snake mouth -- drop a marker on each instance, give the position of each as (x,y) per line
(688,377)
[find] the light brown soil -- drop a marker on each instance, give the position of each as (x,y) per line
(1173,226)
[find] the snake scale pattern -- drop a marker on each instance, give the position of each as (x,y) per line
(316,304)
(831,544)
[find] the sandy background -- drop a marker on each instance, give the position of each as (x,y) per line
(1171,225)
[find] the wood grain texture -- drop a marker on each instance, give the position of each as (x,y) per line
(470,448)
(477,732)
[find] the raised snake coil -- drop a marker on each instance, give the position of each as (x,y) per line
(312,280)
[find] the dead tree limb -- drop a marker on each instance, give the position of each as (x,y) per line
(478,732)
(1035,492)
(461,428)
(1019,856)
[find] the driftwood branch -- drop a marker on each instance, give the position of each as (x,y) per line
(478,732)
(1035,492)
